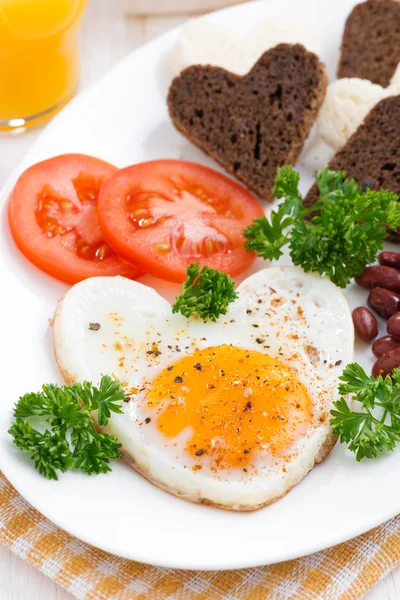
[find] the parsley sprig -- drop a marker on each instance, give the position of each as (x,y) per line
(343,235)
(206,292)
(70,438)
(366,433)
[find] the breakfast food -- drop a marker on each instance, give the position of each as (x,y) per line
(333,237)
(387,363)
(387,348)
(365,323)
(380,276)
(384,282)
(165,214)
(371,154)
(228,397)
(384,302)
(75,216)
(232,413)
(346,104)
(251,125)
(393,325)
(389,259)
(203,41)
(53,220)
(385,344)
(371,42)
(63,435)
(368,432)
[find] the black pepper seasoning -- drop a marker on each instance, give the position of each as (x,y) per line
(200,452)
(178,379)
(147,420)
(94,326)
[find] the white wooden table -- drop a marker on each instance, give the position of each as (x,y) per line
(106,37)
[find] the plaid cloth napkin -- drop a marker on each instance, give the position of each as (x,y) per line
(344,572)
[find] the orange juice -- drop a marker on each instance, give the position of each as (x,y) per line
(39,62)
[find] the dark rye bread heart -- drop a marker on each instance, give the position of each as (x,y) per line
(372,154)
(371,42)
(254,124)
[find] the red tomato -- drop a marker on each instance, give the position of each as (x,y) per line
(53,219)
(166,214)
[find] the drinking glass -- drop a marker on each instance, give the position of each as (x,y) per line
(39,59)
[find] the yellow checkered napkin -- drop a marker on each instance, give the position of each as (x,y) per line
(345,572)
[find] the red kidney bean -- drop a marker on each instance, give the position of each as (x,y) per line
(384,302)
(380,276)
(365,323)
(389,259)
(393,325)
(386,363)
(385,344)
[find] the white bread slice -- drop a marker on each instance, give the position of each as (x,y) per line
(203,41)
(346,104)
(396,77)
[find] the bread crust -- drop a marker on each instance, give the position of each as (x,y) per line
(370,155)
(255,123)
(371,42)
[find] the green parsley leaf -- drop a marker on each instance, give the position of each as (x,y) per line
(367,433)
(287,184)
(103,399)
(205,292)
(338,236)
(266,238)
(63,410)
(50,452)
(93,451)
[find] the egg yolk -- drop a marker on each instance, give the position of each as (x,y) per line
(234,401)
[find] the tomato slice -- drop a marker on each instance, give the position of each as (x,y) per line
(53,218)
(165,214)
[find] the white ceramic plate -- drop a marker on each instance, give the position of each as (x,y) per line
(123,119)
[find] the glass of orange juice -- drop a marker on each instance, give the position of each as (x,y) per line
(39,59)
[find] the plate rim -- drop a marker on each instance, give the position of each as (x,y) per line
(108,547)
(243,564)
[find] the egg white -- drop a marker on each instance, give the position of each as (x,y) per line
(303,320)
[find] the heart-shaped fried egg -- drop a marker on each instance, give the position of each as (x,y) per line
(231,413)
